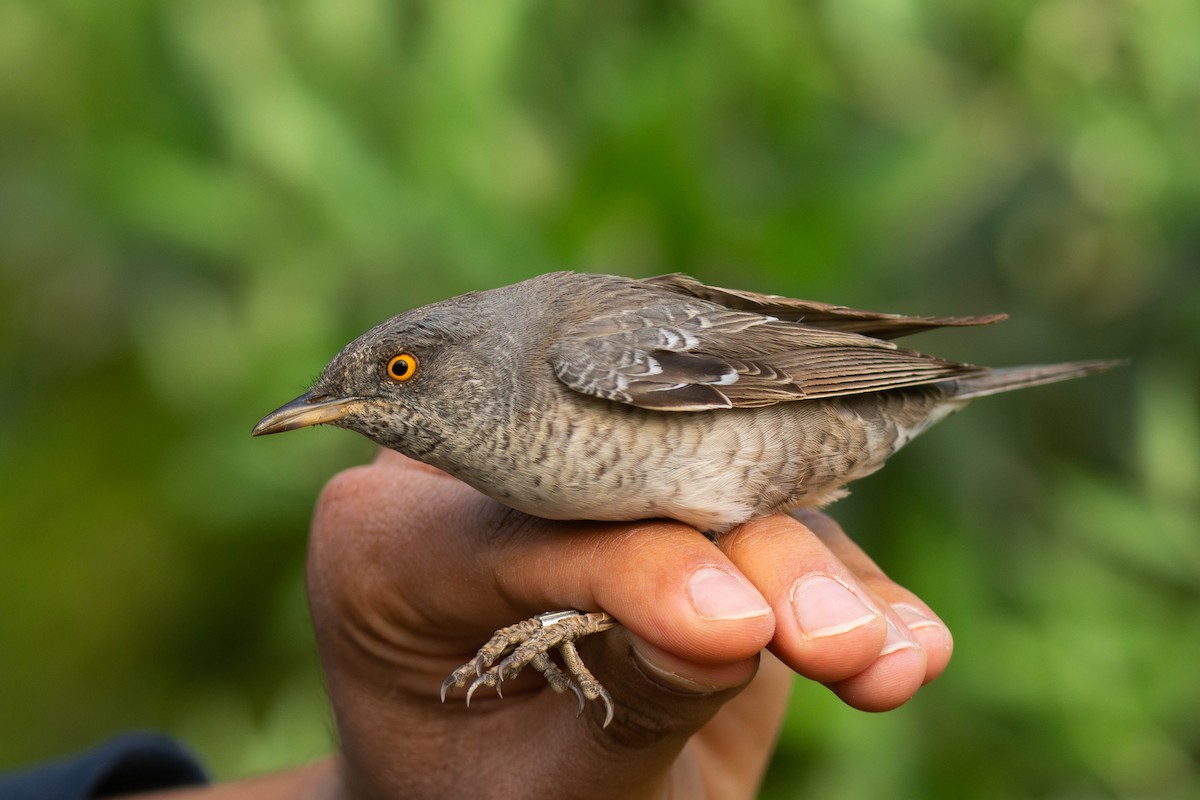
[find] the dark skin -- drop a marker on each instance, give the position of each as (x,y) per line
(410,570)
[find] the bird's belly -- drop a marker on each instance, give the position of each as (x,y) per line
(711,470)
(707,505)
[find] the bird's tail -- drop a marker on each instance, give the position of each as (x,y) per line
(1005,379)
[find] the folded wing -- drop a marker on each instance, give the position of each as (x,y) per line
(692,356)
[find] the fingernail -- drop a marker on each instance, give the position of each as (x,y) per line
(824,607)
(897,639)
(931,631)
(718,595)
(914,617)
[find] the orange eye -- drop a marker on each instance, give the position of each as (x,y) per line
(402,367)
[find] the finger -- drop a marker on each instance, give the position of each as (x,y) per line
(926,627)
(918,644)
(829,626)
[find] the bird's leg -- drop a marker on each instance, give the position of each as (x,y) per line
(528,643)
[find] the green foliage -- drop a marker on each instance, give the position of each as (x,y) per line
(200,200)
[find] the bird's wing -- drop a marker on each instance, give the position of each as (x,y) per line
(693,357)
(819,315)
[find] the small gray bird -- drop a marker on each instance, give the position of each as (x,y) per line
(580,396)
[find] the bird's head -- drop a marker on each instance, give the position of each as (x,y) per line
(404,384)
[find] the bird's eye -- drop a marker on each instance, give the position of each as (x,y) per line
(402,367)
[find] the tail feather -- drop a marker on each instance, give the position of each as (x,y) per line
(1006,379)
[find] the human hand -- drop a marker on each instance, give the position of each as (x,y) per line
(411,570)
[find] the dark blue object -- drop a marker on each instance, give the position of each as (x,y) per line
(133,762)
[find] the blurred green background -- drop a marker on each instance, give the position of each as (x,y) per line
(202,200)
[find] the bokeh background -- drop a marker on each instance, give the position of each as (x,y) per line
(202,200)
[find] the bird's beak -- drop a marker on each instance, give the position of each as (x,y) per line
(306,410)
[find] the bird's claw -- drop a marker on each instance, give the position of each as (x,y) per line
(482,661)
(528,644)
(471,689)
(582,700)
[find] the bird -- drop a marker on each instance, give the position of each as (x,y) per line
(581,396)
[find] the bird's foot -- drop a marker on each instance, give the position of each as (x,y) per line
(528,643)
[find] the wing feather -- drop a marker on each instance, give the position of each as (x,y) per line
(819,315)
(694,356)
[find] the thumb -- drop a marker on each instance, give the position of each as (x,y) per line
(659,697)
